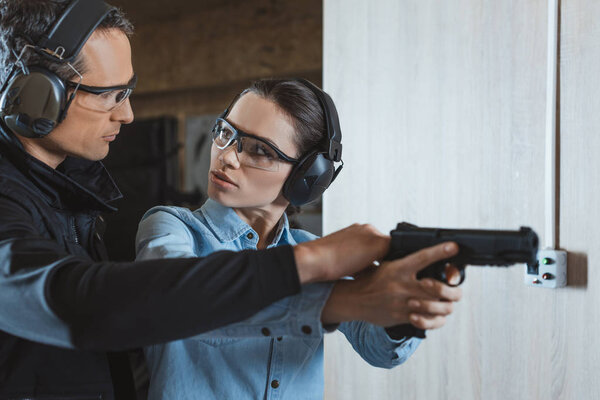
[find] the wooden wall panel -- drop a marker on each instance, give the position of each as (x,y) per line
(192,57)
(442,109)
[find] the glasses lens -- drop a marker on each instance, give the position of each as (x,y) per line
(258,154)
(222,134)
(107,101)
(121,96)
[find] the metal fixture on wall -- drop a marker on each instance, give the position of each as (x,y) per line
(552,263)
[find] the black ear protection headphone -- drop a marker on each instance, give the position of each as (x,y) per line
(315,171)
(34,99)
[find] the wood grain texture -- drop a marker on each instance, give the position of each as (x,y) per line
(442,109)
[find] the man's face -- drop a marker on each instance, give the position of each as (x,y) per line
(87,132)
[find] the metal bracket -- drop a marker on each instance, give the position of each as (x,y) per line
(550,271)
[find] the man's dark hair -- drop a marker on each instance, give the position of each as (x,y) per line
(24,22)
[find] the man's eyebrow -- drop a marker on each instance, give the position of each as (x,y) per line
(130,82)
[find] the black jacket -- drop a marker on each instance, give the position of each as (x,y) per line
(63,306)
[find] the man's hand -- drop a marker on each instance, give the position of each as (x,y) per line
(391,294)
(340,254)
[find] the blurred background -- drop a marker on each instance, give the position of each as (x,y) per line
(442,107)
(191,59)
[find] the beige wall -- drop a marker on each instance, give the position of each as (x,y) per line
(442,108)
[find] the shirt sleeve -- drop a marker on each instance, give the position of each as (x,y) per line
(374,345)
(52,297)
(297,316)
(163,235)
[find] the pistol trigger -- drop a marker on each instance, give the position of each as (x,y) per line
(461,270)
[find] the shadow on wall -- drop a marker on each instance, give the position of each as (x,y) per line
(577,271)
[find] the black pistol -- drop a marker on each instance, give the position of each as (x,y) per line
(476,247)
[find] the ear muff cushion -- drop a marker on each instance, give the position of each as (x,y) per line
(32,103)
(309,179)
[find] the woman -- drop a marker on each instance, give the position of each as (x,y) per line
(277,353)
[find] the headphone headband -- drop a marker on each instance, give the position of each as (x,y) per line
(332,121)
(74,27)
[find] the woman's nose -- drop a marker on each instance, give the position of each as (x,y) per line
(229,156)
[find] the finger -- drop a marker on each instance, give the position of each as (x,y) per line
(426,322)
(417,261)
(452,274)
(440,290)
(431,307)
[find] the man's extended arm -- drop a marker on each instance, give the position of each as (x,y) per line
(51,297)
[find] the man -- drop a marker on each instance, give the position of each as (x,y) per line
(63,306)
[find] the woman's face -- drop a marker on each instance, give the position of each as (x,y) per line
(241,186)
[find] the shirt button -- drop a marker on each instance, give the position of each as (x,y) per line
(266,331)
(250,236)
(306,329)
(274,383)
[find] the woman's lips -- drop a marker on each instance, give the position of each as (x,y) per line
(221,179)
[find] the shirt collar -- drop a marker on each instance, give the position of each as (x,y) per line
(228,226)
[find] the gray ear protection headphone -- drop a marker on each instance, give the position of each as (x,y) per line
(315,171)
(34,99)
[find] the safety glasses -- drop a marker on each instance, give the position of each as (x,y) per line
(104,98)
(252,151)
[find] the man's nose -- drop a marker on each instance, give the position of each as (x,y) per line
(123,113)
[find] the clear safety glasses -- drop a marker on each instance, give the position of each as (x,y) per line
(252,151)
(103,98)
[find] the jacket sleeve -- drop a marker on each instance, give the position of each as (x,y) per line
(51,297)
(374,345)
(163,234)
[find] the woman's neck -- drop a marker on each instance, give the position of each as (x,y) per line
(263,220)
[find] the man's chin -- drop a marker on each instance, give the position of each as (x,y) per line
(95,156)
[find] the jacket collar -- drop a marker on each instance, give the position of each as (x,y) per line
(228,226)
(75,184)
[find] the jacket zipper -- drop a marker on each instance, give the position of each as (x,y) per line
(269,367)
(74,230)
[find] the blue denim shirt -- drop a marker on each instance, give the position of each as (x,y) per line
(275,354)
